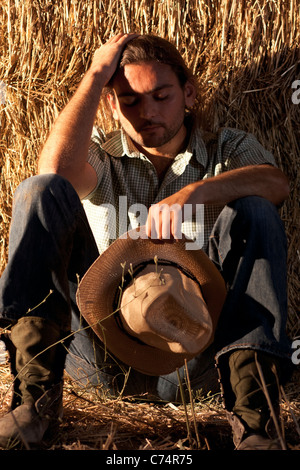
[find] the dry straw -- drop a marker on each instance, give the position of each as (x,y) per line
(245,54)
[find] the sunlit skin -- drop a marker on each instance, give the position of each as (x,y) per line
(150,104)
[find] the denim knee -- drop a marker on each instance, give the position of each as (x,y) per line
(256,208)
(32,188)
(250,216)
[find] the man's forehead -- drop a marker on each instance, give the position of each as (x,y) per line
(144,77)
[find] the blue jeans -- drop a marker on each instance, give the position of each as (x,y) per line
(52,246)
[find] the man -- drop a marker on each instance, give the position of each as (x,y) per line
(159,159)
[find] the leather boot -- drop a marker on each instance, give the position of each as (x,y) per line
(251,414)
(38,365)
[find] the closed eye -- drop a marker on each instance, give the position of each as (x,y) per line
(161,97)
(128,100)
(131,99)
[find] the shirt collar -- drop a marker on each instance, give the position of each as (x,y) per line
(120,144)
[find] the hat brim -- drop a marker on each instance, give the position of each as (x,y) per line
(97,292)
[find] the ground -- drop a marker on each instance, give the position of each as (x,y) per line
(93,421)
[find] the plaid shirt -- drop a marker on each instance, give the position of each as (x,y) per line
(128,183)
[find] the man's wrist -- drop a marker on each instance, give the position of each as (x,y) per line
(100,75)
(95,79)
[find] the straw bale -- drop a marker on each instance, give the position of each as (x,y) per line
(245,55)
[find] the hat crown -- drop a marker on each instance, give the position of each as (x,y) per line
(165,309)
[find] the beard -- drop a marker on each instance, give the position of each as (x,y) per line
(155,137)
(153,134)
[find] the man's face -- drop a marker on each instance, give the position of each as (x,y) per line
(150,104)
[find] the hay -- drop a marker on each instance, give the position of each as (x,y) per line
(95,421)
(245,54)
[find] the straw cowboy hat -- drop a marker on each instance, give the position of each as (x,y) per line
(153,304)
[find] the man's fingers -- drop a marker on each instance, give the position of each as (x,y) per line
(151,229)
(176,224)
(107,56)
(114,38)
(122,38)
(164,222)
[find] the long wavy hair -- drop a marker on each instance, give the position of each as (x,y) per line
(148,48)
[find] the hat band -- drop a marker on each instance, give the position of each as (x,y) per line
(129,276)
(118,320)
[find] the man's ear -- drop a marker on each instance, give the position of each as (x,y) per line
(111,99)
(190,94)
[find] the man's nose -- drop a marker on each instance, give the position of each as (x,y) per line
(147,109)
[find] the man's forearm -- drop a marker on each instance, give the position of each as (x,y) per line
(66,149)
(259,180)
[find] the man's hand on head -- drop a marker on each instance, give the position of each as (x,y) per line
(107,57)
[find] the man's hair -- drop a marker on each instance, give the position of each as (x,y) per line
(148,48)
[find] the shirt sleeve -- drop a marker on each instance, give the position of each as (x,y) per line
(96,154)
(241,149)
